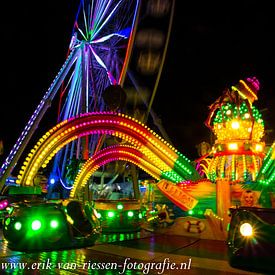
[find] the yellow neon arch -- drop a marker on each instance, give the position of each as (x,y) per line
(120,125)
(109,154)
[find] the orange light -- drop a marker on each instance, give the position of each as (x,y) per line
(235,125)
(259,147)
(232,146)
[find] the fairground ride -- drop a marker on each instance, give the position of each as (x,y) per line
(114,62)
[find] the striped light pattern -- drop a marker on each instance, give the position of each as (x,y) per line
(267,172)
(238,151)
(157,150)
(103,35)
(234,167)
(114,153)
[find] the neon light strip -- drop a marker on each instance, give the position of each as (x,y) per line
(109,123)
(22,141)
(113,153)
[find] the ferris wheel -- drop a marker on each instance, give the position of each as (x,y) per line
(114,45)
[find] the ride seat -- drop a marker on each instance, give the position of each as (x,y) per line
(81,225)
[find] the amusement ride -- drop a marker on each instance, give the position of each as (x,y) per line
(105,70)
(104,84)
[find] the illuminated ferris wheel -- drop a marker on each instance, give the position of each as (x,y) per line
(100,42)
(114,45)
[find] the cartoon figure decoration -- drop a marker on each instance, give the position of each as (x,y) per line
(250,198)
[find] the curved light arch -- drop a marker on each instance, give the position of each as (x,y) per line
(165,156)
(114,153)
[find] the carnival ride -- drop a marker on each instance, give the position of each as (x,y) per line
(239,154)
(41,225)
(236,162)
(114,62)
(110,42)
(162,161)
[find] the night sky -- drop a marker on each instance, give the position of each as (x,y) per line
(211,48)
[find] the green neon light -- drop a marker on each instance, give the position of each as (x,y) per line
(119,206)
(36,225)
(130,213)
(110,214)
(54,224)
(18,225)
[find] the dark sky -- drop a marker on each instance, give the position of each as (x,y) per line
(211,48)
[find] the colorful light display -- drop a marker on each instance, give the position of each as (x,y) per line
(237,156)
(33,226)
(239,128)
(121,152)
(119,216)
(158,151)
(98,56)
(266,174)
